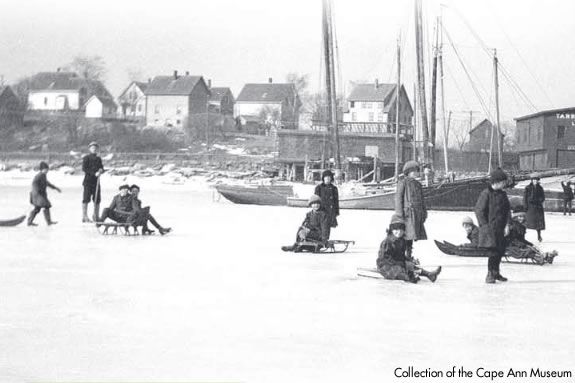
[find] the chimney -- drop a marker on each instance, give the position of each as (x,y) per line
(376,83)
(58,69)
(270,80)
(175,75)
(187,73)
(210,83)
(149,80)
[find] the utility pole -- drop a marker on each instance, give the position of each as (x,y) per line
(421,81)
(496,72)
(397,106)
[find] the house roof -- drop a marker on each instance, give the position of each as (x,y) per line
(545,112)
(170,86)
(46,81)
(369,92)
(142,85)
(104,100)
(218,93)
(268,92)
(485,122)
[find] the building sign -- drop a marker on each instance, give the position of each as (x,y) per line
(371,151)
(566,116)
(571,147)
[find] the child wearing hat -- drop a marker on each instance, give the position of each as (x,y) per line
(518,246)
(315,226)
(472,232)
(493,214)
(92,167)
(120,210)
(533,199)
(142,215)
(39,195)
(393,261)
(567,197)
(410,205)
(329,195)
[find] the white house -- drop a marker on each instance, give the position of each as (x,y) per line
(100,107)
(132,100)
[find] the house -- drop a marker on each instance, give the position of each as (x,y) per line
(100,107)
(177,101)
(62,91)
(480,138)
(221,101)
(372,108)
(546,139)
(132,100)
(268,105)
(11,109)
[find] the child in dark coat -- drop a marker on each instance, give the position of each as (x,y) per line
(329,195)
(393,261)
(39,196)
(315,227)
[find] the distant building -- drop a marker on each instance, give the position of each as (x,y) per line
(99,107)
(268,104)
(132,100)
(177,101)
(371,108)
(221,101)
(546,139)
(62,91)
(480,136)
(11,109)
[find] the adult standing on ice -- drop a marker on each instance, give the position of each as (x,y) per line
(533,201)
(329,196)
(410,205)
(39,195)
(567,196)
(493,214)
(93,168)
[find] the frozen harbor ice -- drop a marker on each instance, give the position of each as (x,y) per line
(217,300)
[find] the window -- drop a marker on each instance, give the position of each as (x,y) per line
(560,132)
(380,105)
(157,109)
(370,117)
(352,104)
(178,122)
(45,100)
(139,107)
(354,116)
(380,117)
(178,109)
(366,105)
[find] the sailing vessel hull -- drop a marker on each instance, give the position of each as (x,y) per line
(271,195)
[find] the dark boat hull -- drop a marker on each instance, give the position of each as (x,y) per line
(12,222)
(272,195)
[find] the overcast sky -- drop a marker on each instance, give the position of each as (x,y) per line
(234,42)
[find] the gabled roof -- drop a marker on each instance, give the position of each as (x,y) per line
(268,92)
(170,86)
(104,100)
(371,92)
(485,122)
(545,112)
(46,81)
(218,93)
(142,85)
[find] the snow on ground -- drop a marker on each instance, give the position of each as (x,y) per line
(217,300)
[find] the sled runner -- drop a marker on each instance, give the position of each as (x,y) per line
(369,273)
(115,228)
(513,254)
(333,246)
(12,222)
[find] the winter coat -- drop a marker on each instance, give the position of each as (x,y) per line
(39,195)
(533,201)
(473,237)
(410,205)
(517,233)
(493,214)
(91,163)
(392,262)
(317,224)
(122,204)
(567,192)
(329,201)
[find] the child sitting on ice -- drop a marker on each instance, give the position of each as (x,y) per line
(472,232)
(392,261)
(315,227)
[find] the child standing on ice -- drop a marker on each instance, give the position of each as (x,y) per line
(393,261)
(328,193)
(410,205)
(39,195)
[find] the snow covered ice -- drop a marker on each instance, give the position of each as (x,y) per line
(217,300)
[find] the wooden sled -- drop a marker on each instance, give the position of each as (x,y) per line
(513,254)
(369,273)
(333,246)
(12,222)
(118,228)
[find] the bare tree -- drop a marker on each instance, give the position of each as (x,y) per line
(460,134)
(89,67)
(300,81)
(135,74)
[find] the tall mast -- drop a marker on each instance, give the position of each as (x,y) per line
(496,73)
(433,115)
(445,131)
(330,81)
(415,124)
(421,80)
(397,105)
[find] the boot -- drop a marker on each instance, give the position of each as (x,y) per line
(490,277)
(288,248)
(164,230)
(31,217)
(85,218)
(146,230)
(539,238)
(48,218)
(96,214)
(499,277)
(431,275)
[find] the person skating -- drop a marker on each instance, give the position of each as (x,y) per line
(493,215)
(142,214)
(329,195)
(393,262)
(93,168)
(315,226)
(533,201)
(410,205)
(472,232)
(567,196)
(120,209)
(39,195)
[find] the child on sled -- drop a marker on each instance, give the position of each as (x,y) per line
(315,228)
(520,248)
(393,262)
